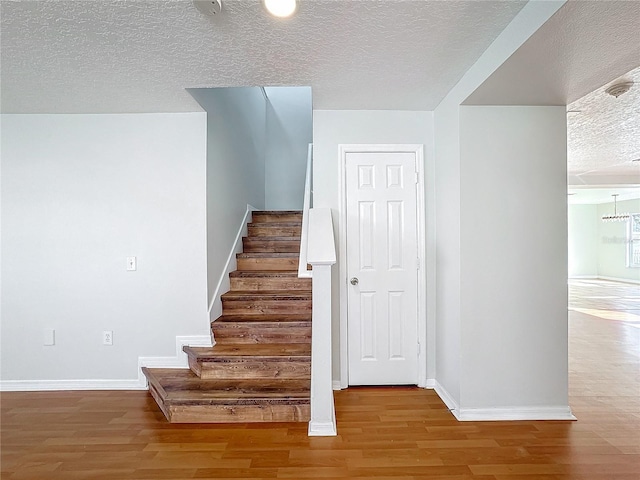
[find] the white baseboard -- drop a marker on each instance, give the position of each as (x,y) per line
(179,360)
(430,384)
(501,413)
(336,385)
(59,385)
(621,280)
(322,429)
(514,413)
(215,308)
(446,397)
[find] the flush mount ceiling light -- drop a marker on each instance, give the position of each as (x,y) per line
(209,7)
(618,89)
(616,217)
(281,8)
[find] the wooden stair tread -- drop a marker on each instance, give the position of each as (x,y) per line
(263,273)
(256,351)
(260,238)
(266,295)
(277,212)
(182,386)
(267,255)
(265,318)
(276,224)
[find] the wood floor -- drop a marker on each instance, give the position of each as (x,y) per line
(383,433)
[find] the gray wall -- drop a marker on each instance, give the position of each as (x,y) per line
(80,193)
(513,257)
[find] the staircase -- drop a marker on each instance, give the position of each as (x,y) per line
(259,369)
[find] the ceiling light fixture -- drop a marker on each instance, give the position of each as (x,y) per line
(618,89)
(281,8)
(209,7)
(616,217)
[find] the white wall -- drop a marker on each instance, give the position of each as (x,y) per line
(583,240)
(448,170)
(513,258)
(612,243)
(334,127)
(236,143)
(80,193)
(289,132)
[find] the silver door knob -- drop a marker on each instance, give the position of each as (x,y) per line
(354,281)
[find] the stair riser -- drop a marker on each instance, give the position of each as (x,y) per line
(244,369)
(270,283)
(239,413)
(235,307)
(279,218)
(265,246)
(288,264)
(232,335)
(265,230)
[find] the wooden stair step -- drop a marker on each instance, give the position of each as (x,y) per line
(183,397)
(272,318)
(280,229)
(260,330)
(241,302)
(271,244)
(251,361)
(257,280)
(276,216)
(267,261)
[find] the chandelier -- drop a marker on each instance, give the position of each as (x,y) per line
(616,217)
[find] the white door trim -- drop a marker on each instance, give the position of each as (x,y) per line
(418,150)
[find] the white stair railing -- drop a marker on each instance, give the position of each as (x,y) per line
(321,254)
(304,236)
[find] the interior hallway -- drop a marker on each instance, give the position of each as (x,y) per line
(384,433)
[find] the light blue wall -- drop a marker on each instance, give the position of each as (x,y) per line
(236,143)
(289,132)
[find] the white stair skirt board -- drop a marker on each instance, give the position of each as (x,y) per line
(179,360)
(215,308)
(501,413)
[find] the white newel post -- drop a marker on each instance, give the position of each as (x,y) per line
(321,254)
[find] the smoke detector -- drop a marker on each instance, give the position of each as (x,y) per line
(618,89)
(209,7)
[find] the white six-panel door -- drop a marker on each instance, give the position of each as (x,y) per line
(382,265)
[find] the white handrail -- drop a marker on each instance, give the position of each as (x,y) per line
(304,237)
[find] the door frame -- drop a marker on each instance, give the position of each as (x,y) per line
(418,150)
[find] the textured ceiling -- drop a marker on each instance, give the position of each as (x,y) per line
(139,56)
(604,135)
(571,59)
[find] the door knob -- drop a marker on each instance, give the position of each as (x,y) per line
(354,281)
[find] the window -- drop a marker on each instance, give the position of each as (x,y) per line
(633,241)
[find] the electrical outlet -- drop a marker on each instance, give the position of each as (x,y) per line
(107,337)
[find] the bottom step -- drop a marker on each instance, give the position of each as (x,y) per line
(185,398)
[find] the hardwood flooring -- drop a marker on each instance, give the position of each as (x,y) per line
(392,433)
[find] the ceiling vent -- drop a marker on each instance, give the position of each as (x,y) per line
(618,89)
